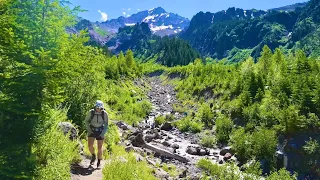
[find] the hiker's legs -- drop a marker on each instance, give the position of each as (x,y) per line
(90,144)
(100,143)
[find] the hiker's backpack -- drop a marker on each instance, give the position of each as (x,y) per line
(103,111)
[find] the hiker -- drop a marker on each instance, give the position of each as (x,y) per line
(97,125)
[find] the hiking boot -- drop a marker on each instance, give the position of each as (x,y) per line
(93,159)
(98,163)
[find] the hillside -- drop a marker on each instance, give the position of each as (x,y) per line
(236,35)
(291,7)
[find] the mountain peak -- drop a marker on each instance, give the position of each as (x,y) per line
(158,10)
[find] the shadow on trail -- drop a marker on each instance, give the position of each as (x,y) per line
(84,171)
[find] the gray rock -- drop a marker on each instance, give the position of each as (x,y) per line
(227,156)
(183,174)
(138,140)
(160,173)
(129,148)
(166,143)
(67,127)
(138,157)
(192,150)
(150,137)
(175,146)
(151,162)
(167,126)
(203,152)
(226,150)
(122,125)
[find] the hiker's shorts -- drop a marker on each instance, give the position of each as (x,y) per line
(96,133)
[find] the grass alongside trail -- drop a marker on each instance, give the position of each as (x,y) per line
(124,166)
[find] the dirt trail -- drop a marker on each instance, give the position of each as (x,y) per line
(85,171)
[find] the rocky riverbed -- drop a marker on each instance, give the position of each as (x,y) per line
(166,144)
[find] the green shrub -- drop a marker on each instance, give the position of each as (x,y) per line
(112,136)
(241,143)
(186,124)
(261,144)
(124,166)
(53,151)
(206,115)
(224,127)
(281,174)
(208,140)
(160,120)
(224,172)
(171,169)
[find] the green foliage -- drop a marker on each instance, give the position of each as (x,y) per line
(54,151)
(101,32)
(160,120)
(124,166)
(187,124)
(281,174)
(208,140)
(206,115)
(224,126)
(112,136)
(127,102)
(260,144)
(171,169)
(224,172)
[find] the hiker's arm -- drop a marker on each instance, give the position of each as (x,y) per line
(106,117)
(87,123)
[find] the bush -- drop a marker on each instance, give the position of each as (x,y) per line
(171,169)
(206,115)
(112,136)
(281,174)
(208,140)
(53,151)
(223,128)
(186,124)
(261,144)
(124,166)
(241,143)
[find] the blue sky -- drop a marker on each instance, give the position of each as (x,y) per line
(99,10)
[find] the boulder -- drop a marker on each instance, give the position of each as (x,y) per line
(122,125)
(160,173)
(227,156)
(183,174)
(226,150)
(203,152)
(67,127)
(137,140)
(129,148)
(175,146)
(167,126)
(166,143)
(192,150)
(138,157)
(150,137)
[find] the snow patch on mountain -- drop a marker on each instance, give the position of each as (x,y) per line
(148,18)
(130,24)
(158,28)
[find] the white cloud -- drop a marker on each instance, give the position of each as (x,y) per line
(138,9)
(129,9)
(128,15)
(104,16)
(124,13)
